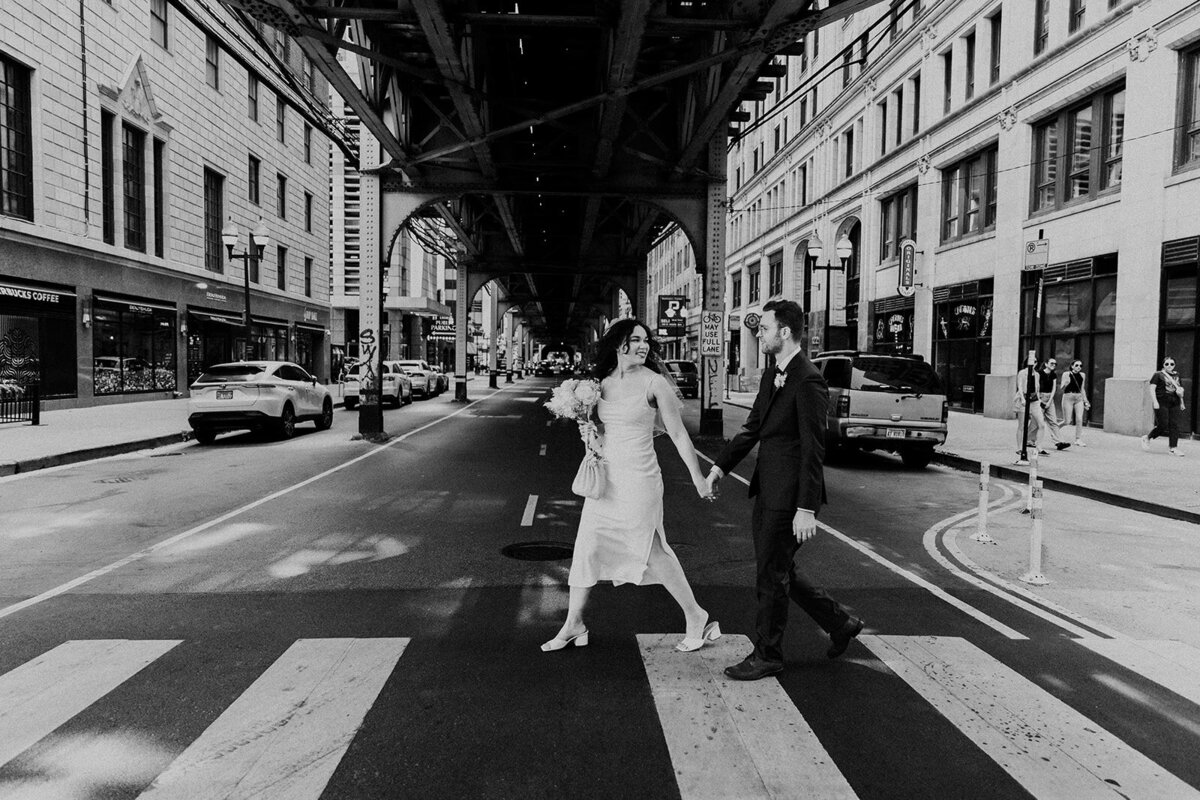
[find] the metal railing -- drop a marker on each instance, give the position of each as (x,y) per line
(20,404)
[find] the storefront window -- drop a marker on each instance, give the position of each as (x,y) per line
(133,348)
(37,339)
(893,327)
(962,342)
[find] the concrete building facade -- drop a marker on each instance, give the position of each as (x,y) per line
(978,130)
(132,133)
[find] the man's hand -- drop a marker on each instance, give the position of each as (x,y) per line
(804,525)
(711,480)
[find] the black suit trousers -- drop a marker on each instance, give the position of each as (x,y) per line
(778,580)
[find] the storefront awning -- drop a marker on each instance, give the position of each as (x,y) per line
(215,316)
(125,302)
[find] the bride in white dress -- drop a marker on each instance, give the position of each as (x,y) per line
(621,537)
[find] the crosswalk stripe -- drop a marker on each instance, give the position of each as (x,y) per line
(733,739)
(1045,745)
(284,736)
(42,694)
(1170,664)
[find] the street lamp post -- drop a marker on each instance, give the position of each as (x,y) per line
(252,255)
(816,251)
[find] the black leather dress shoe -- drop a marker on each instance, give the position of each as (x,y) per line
(839,640)
(753,668)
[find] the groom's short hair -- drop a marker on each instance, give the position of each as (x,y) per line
(789,313)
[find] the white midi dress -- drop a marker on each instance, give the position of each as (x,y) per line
(616,530)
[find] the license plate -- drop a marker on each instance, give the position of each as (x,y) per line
(895,433)
(224,394)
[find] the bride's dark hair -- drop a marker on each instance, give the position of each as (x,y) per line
(616,337)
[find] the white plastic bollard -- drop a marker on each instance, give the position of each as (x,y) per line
(1033,471)
(981,533)
(1035,576)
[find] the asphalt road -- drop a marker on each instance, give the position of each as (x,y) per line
(326,617)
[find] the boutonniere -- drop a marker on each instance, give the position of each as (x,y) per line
(780,379)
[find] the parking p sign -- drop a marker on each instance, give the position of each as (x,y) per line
(712,327)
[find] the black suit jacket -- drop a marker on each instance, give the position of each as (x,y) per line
(788,425)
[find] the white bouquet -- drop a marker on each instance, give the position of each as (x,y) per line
(574,400)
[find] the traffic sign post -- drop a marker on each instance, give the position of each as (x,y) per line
(712,329)
(1037,254)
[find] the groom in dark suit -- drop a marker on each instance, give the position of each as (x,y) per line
(787,422)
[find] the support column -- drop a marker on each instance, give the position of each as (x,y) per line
(462,308)
(494,338)
(712,367)
(509,350)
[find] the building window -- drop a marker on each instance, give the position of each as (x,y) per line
(133,185)
(752,284)
(735,289)
(16,142)
(252,97)
(970,65)
(283,46)
(898,102)
(160,201)
(848,146)
(281,195)
(307,73)
(308,212)
(133,347)
(1078,152)
(214,213)
(802,186)
(1078,12)
(280,119)
(947,80)
(158,22)
(994,55)
(898,220)
(1041,26)
(253,170)
(883,127)
(775,274)
(212,62)
(308,276)
(916,87)
(1188,147)
(281,254)
(969,196)
(308,132)
(108,186)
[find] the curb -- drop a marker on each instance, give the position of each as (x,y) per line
(91,453)
(1009,473)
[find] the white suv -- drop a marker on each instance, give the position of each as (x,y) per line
(424,379)
(879,401)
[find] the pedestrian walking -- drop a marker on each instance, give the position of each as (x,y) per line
(1031,421)
(1075,403)
(1047,387)
(621,537)
(1166,391)
(787,422)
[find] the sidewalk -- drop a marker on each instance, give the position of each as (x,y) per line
(1111,468)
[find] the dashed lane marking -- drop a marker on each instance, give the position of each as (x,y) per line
(530,507)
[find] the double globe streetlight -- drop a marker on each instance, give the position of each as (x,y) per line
(844,249)
(259,237)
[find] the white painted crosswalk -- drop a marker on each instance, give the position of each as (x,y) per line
(285,735)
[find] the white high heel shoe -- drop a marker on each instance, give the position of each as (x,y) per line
(712,632)
(579,640)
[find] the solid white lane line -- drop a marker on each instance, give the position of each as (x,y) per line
(42,694)
(530,507)
(1170,664)
(284,736)
(1044,744)
(141,554)
(542,451)
(937,592)
(728,738)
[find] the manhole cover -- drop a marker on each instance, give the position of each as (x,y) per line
(537,551)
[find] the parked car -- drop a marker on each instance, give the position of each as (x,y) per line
(685,375)
(257,395)
(443,380)
(879,401)
(424,379)
(397,387)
